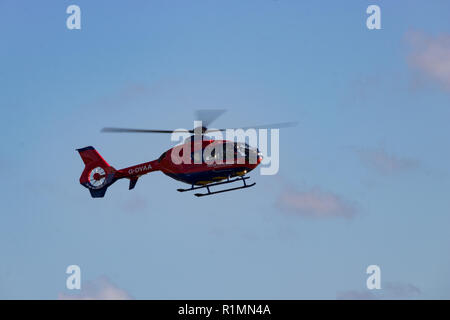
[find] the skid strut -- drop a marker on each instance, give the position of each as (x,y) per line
(217,184)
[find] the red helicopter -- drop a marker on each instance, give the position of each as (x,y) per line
(225,162)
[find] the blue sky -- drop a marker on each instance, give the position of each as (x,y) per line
(372,139)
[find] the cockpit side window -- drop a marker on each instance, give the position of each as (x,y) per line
(210,157)
(228,151)
(241,150)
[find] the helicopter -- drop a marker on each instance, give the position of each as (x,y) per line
(200,161)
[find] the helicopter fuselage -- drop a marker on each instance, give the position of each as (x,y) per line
(209,161)
(202,163)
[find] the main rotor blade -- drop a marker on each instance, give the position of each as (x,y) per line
(264,126)
(207,116)
(118,130)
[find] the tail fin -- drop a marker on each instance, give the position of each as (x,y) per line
(98,175)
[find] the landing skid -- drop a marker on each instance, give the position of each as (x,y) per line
(217,184)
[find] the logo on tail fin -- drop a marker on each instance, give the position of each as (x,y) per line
(97,178)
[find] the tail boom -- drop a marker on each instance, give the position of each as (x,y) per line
(134,172)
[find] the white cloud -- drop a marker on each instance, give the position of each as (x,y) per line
(356,295)
(402,290)
(431,56)
(392,290)
(315,203)
(383,162)
(134,203)
(99,289)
